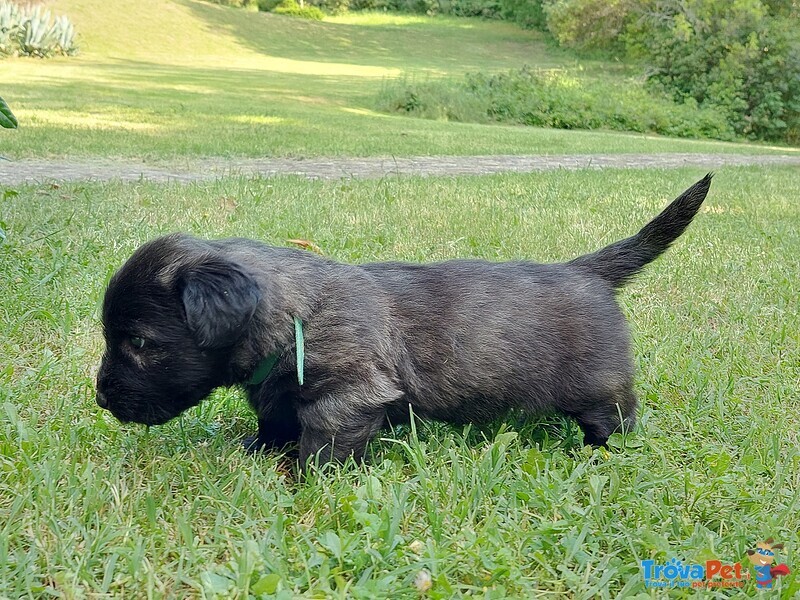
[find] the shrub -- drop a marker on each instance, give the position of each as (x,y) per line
(436,100)
(422,7)
(736,57)
(333,7)
(30,31)
(489,9)
(293,9)
(486,9)
(267,5)
(552,99)
(237,3)
(587,24)
(366,4)
(528,14)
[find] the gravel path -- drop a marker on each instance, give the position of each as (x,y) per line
(43,171)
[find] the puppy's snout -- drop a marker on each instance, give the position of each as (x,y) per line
(102,381)
(101,399)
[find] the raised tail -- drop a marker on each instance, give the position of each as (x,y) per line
(619,262)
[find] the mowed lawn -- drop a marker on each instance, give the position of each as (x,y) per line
(514,509)
(165,79)
(91,508)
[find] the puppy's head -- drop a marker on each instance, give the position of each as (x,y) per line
(171,315)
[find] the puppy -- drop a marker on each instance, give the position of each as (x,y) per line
(329,353)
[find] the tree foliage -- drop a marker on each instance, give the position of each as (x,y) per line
(587,24)
(736,56)
(740,57)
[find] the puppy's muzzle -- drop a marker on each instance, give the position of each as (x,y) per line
(101,399)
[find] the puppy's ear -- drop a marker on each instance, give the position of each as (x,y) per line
(219,299)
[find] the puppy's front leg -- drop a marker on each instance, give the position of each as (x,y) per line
(334,430)
(278,426)
(272,434)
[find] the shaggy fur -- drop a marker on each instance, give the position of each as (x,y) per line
(459,341)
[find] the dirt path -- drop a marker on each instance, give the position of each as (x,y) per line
(44,171)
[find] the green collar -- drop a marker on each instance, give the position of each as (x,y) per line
(265,367)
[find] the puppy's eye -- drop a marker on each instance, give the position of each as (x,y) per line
(137,342)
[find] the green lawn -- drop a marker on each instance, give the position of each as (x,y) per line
(163,79)
(91,508)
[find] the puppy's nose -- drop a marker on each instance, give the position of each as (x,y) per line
(101,399)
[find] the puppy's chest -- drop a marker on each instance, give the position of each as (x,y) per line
(274,392)
(282,388)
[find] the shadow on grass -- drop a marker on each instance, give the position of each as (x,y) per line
(424,44)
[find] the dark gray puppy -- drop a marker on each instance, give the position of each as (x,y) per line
(459,341)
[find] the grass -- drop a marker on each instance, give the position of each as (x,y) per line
(91,508)
(172,78)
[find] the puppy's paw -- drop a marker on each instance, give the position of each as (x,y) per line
(255,444)
(252,444)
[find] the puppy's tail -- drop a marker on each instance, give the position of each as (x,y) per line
(619,262)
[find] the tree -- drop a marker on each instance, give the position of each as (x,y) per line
(734,56)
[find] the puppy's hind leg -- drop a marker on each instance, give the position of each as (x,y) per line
(600,419)
(350,439)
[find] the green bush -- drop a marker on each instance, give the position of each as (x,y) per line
(587,24)
(236,3)
(422,7)
(366,4)
(436,100)
(528,14)
(332,7)
(741,58)
(293,9)
(552,99)
(267,5)
(31,31)
(486,9)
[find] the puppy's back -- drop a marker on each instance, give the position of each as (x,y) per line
(482,337)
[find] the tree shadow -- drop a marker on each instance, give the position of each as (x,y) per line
(422,45)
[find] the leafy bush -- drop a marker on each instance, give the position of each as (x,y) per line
(236,3)
(740,57)
(366,4)
(587,24)
(490,9)
(30,31)
(267,5)
(486,9)
(288,8)
(552,99)
(332,7)
(528,14)
(293,9)
(422,7)
(435,100)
